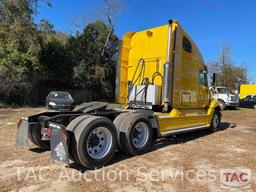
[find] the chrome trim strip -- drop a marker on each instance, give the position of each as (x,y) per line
(165,117)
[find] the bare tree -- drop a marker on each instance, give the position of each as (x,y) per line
(81,21)
(109,9)
(225,58)
(228,73)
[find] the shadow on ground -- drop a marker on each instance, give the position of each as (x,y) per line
(161,143)
(232,109)
(37,150)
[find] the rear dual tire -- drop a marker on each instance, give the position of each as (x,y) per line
(35,137)
(93,143)
(135,133)
(70,129)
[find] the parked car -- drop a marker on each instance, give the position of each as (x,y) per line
(60,100)
(248,101)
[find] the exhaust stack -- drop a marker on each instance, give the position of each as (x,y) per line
(167,73)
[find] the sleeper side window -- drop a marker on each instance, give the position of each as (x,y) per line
(187,46)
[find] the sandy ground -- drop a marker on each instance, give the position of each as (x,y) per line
(189,162)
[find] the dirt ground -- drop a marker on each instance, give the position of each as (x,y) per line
(189,162)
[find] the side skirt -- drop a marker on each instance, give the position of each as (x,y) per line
(184,130)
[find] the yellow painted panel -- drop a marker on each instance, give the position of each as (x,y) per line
(182,118)
(151,45)
(186,74)
(248,89)
(191,102)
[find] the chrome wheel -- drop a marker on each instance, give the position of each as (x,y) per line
(140,134)
(99,143)
(215,121)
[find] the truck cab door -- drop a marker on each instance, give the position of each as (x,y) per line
(203,89)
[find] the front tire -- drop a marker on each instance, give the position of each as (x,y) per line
(222,105)
(215,124)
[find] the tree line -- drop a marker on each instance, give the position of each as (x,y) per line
(31,54)
(35,53)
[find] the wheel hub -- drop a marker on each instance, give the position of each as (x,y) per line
(99,142)
(140,135)
(94,140)
(136,133)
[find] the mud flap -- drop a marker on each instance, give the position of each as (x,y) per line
(59,143)
(22,133)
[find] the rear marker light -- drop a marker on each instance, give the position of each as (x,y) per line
(63,135)
(49,132)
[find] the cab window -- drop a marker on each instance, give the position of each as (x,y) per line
(203,78)
(222,90)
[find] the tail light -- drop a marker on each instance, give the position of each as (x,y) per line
(64,135)
(49,132)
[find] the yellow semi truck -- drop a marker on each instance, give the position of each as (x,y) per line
(161,79)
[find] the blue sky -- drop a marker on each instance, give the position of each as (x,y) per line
(210,23)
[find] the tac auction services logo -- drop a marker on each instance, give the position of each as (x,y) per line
(235,178)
